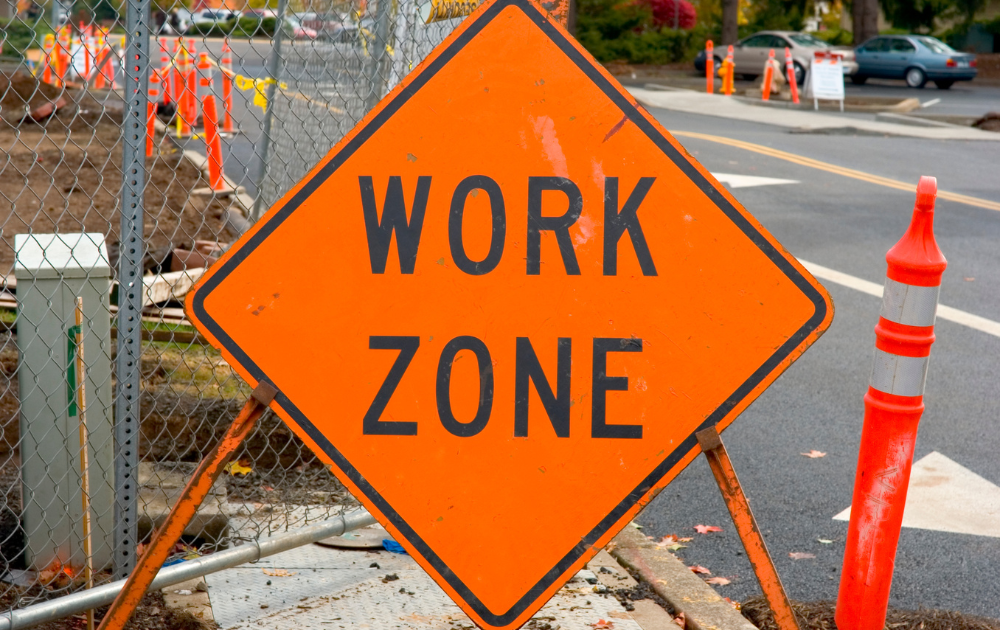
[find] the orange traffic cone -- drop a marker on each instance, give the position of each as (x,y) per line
(210,116)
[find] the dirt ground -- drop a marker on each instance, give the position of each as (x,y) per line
(65,174)
(819,616)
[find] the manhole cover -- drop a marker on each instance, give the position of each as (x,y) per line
(365,538)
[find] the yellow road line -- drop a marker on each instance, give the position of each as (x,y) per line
(838,170)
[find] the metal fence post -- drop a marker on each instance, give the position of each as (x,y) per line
(272,73)
(130,289)
(379,52)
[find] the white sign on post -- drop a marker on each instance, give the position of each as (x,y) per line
(826,79)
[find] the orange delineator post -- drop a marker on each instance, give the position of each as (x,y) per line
(765,90)
(793,83)
(101,80)
(198,487)
(709,67)
(227,87)
(151,106)
(210,117)
(62,52)
(729,69)
(176,76)
(48,74)
(165,70)
(85,40)
(191,96)
(893,406)
(183,116)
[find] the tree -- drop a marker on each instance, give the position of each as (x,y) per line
(865,18)
(672,13)
(730,21)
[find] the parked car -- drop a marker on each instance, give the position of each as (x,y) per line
(294,28)
(915,59)
(750,54)
(214,16)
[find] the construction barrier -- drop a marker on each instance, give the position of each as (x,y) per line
(50,74)
(165,66)
(765,89)
(210,116)
(893,406)
(709,67)
(793,82)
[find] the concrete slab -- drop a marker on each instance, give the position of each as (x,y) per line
(161,484)
(804,121)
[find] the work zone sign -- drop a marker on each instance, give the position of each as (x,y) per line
(503,305)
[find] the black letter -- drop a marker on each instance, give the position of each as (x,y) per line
(463,262)
(604,384)
(616,224)
(560,225)
(394,219)
(477,424)
(407,347)
(527,368)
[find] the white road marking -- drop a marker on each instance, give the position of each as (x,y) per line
(933,101)
(946,497)
(749,181)
(948,313)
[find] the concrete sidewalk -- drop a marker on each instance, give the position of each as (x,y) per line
(800,120)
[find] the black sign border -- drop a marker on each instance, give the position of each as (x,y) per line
(633,115)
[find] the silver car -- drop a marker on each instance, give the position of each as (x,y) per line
(750,54)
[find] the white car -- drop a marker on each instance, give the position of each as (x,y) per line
(214,16)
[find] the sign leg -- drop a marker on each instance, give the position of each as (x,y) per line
(746,526)
(184,509)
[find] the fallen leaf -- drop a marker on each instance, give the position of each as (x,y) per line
(824,541)
(700,569)
(680,620)
(738,606)
(721,581)
(968,279)
(676,547)
(801,555)
(278,572)
(666,541)
(685,539)
(814,454)
(704,529)
(602,625)
(235,468)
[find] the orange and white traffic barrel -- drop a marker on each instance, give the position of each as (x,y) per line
(893,406)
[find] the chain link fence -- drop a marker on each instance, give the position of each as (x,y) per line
(88,212)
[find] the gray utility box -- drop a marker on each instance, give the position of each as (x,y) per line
(52,270)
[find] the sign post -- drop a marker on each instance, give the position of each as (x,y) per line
(549,282)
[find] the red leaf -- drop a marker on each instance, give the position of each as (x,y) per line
(801,555)
(602,625)
(814,454)
(721,581)
(700,569)
(704,529)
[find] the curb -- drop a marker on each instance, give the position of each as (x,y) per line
(703,608)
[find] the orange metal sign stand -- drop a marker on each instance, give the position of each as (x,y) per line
(524,315)
(158,550)
(746,526)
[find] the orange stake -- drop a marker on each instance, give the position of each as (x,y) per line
(48,76)
(176,77)
(227,87)
(165,70)
(158,549)
(746,526)
(210,117)
(191,79)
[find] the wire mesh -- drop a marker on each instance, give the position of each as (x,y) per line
(299,76)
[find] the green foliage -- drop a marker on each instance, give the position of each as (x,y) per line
(242,27)
(613,30)
(836,37)
(19,36)
(915,15)
(95,10)
(774,15)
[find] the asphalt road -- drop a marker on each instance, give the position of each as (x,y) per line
(848,225)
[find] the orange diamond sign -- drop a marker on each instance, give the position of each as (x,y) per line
(503,305)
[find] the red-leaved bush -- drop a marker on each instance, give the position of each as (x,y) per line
(665,12)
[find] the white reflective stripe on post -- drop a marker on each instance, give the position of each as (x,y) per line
(899,375)
(909,304)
